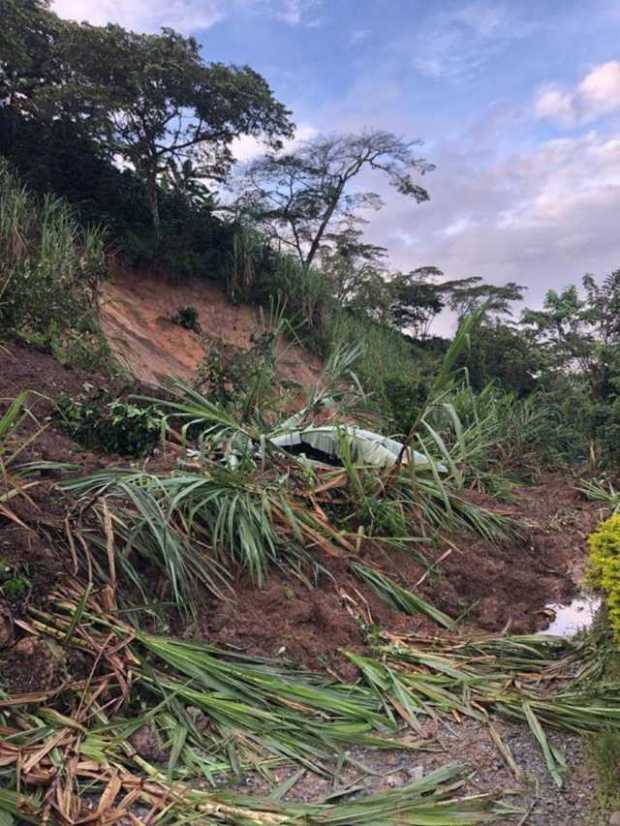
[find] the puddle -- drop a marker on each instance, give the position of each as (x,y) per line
(576,616)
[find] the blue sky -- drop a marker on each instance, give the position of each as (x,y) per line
(518,104)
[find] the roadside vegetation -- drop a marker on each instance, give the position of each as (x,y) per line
(139,525)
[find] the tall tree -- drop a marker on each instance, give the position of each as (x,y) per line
(161,105)
(149,99)
(417,298)
(303,194)
(467,295)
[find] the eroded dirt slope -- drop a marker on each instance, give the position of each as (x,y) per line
(136,308)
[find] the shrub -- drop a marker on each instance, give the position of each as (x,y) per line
(604,547)
(112,426)
(187,317)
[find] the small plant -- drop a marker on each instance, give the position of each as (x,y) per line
(16,588)
(114,426)
(187,317)
(14,581)
(604,547)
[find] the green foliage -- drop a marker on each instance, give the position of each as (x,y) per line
(405,396)
(502,354)
(604,546)
(187,317)
(15,582)
(99,422)
(304,294)
(390,367)
(16,588)
(50,272)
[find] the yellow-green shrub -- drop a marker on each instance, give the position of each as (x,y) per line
(604,546)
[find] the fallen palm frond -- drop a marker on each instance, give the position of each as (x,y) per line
(542,681)
(438,506)
(116,785)
(72,741)
(237,425)
(252,705)
(599,492)
(197,527)
(398,596)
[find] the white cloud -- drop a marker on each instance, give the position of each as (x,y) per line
(358,36)
(596,95)
(554,103)
(183,15)
(297,12)
(247,148)
(599,91)
(144,15)
(541,218)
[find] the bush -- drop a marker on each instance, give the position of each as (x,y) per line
(112,426)
(604,547)
(187,317)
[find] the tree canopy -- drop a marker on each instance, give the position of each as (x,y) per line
(150,100)
(303,194)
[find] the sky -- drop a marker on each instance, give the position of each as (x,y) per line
(516,102)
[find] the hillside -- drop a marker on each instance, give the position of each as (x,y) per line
(136,309)
(272,551)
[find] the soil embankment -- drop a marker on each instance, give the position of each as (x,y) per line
(136,311)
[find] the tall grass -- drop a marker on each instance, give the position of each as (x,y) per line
(305,295)
(50,268)
(385,353)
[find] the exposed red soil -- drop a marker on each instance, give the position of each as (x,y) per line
(512,584)
(310,626)
(26,368)
(136,310)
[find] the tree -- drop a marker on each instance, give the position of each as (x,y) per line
(29,52)
(299,195)
(416,300)
(580,332)
(161,105)
(467,295)
(356,270)
(148,99)
(502,354)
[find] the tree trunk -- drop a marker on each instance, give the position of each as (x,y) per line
(153,198)
(316,241)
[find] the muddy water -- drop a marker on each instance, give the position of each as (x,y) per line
(576,616)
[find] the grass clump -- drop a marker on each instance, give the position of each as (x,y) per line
(604,547)
(50,272)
